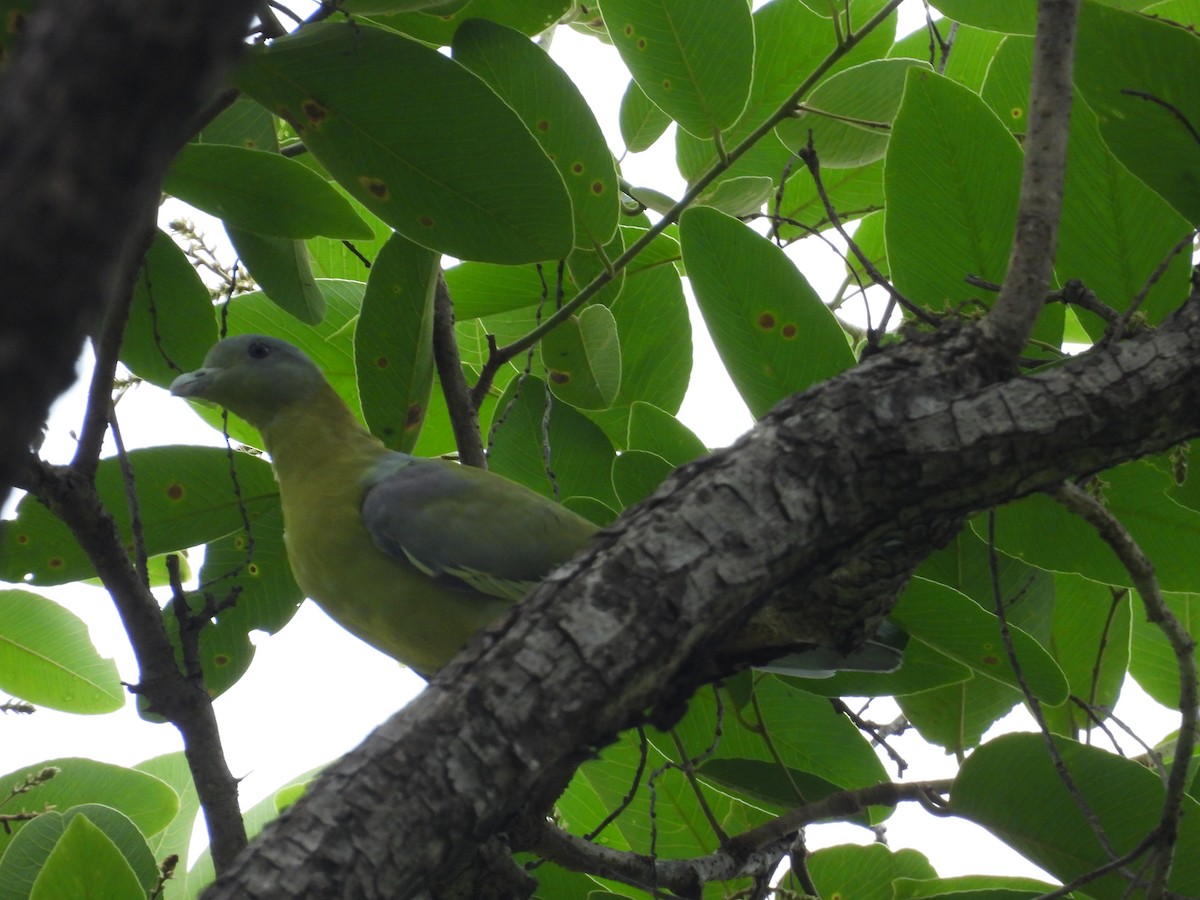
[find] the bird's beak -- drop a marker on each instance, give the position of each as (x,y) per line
(192,384)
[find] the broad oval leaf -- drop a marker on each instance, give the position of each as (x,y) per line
(556,114)
(282,268)
(429,148)
(582,357)
(86,863)
(1136,74)
(849,115)
(693,58)
(1039,817)
(393,342)
(171,324)
(774,334)
(641,122)
(184,498)
(955,625)
(47,658)
(260,191)
(952,177)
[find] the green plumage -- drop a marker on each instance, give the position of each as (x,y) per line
(411,555)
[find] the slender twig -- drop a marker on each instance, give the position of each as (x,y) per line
(1032,257)
(808,155)
(504,354)
(1118,329)
(1141,570)
(464,414)
(140,558)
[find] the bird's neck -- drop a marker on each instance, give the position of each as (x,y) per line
(305,438)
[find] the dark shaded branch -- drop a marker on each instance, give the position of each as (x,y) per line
(94,104)
(1032,258)
(464,414)
(806,529)
(183,701)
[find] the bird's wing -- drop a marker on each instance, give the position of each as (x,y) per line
(465,525)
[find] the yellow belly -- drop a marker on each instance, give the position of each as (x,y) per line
(384,601)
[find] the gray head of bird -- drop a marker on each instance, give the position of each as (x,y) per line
(254,376)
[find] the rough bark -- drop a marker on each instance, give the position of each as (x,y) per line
(821,513)
(94,104)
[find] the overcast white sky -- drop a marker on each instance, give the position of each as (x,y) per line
(295,710)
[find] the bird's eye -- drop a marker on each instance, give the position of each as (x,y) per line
(259,350)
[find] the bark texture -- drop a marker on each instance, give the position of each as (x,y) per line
(95,102)
(815,518)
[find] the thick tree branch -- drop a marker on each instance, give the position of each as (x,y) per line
(96,101)
(1032,257)
(817,517)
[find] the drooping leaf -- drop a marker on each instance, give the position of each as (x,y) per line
(85,863)
(556,114)
(170,325)
(642,123)
(774,334)
(693,58)
(393,342)
(260,191)
(506,204)
(282,268)
(583,359)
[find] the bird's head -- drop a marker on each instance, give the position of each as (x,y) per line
(254,376)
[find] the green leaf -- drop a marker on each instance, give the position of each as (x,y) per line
(1013,17)
(582,357)
(1115,232)
(85,863)
(637,474)
(507,204)
(921,669)
(849,114)
(260,191)
(483,289)
(956,716)
(865,873)
(183,496)
(853,193)
(1091,646)
(283,270)
(170,325)
(657,431)
(1152,661)
(971,887)
(580,456)
(693,58)
(146,800)
(740,196)
(656,345)
(556,114)
(641,122)
(951,178)
(1036,814)
(243,124)
(47,658)
(393,342)
(176,838)
(1043,533)
(1135,73)
(526,16)
(955,625)
(774,334)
